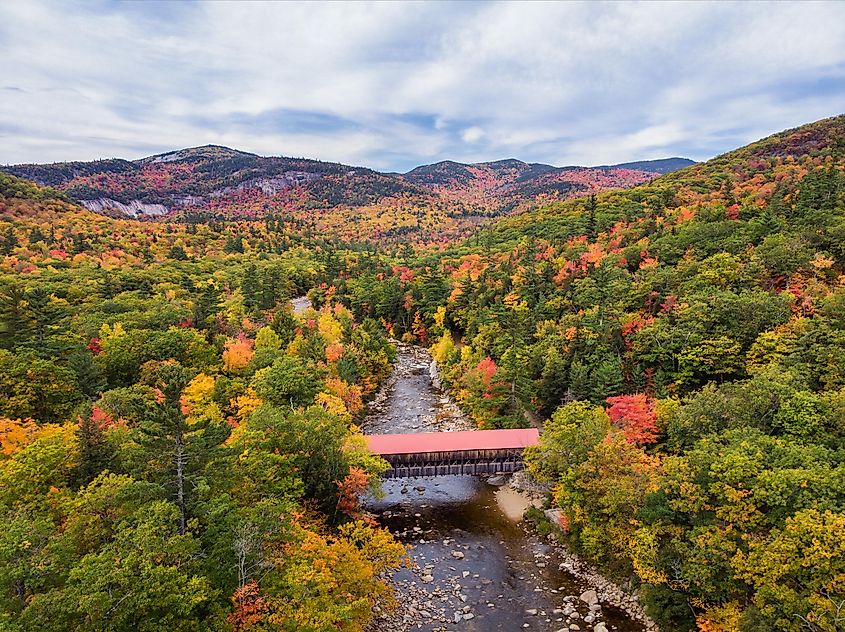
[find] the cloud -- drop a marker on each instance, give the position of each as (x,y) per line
(472,134)
(392,85)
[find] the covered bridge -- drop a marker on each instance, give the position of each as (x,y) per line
(444,453)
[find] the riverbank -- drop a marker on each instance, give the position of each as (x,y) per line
(607,591)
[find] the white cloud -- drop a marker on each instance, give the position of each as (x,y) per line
(472,134)
(390,85)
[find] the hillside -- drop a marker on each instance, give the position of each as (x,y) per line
(512,183)
(186,178)
(149,373)
(444,201)
(683,344)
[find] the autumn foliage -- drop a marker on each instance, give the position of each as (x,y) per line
(634,415)
(350,490)
(249,607)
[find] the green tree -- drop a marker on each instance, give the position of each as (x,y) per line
(145,579)
(178,451)
(95,452)
(287,382)
(314,440)
(36,388)
(177,253)
(207,304)
(251,288)
(15,326)
(567,439)
(267,338)
(45,316)
(9,241)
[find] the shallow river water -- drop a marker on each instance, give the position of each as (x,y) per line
(476,567)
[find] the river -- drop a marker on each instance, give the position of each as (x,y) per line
(475,566)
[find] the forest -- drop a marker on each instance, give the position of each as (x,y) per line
(179,450)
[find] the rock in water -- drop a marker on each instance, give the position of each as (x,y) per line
(497,481)
(589,597)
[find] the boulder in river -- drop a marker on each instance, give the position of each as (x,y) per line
(589,597)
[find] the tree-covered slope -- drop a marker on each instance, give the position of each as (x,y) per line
(177,448)
(683,343)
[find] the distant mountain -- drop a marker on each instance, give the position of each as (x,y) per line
(662,165)
(218,182)
(183,179)
(500,172)
(203,152)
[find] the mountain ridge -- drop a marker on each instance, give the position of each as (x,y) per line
(443,200)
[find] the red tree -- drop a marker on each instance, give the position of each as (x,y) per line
(634,415)
(249,607)
(350,489)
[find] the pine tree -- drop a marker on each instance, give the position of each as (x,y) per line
(251,288)
(606,380)
(206,305)
(44,317)
(80,244)
(234,244)
(9,242)
(95,453)
(88,375)
(285,325)
(178,450)
(177,253)
(591,217)
(268,290)
(552,389)
(579,381)
(35,235)
(15,326)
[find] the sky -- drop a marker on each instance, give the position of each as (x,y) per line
(394,85)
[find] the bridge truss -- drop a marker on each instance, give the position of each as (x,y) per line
(468,462)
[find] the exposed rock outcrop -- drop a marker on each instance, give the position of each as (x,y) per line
(134,208)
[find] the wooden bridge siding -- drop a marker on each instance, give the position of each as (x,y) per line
(466,462)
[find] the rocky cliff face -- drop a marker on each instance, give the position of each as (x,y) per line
(272,185)
(132,209)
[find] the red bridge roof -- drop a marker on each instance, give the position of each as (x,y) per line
(453,441)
